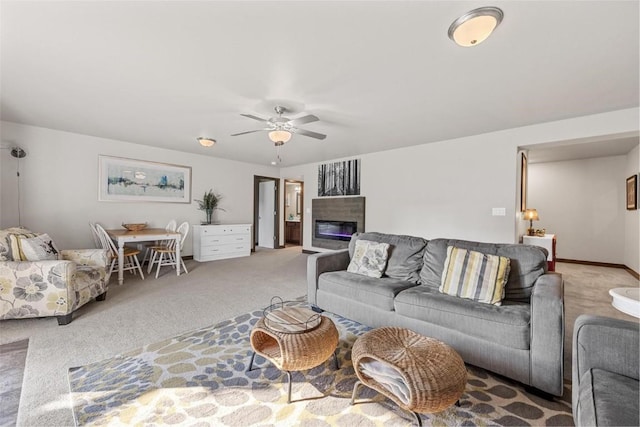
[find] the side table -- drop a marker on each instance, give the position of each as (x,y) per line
(548,241)
(627,300)
(294,339)
(426,374)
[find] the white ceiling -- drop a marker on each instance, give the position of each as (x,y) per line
(379,75)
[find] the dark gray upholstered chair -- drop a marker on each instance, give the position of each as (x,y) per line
(605,372)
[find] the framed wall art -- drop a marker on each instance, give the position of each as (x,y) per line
(523,182)
(632,193)
(339,178)
(130,180)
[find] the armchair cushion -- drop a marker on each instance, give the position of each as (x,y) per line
(12,243)
(4,242)
(28,247)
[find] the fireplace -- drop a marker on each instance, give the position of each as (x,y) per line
(335,230)
(335,219)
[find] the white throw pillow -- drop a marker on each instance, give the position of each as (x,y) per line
(369,258)
(39,248)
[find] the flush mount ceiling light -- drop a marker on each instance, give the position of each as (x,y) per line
(206,142)
(279,136)
(475,26)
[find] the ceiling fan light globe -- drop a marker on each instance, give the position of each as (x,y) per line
(206,142)
(279,136)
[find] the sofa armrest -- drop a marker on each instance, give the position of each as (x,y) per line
(36,288)
(547,334)
(87,257)
(322,263)
(604,343)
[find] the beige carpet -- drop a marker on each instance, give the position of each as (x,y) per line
(586,290)
(143,312)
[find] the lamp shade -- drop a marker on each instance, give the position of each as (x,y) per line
(475,26)
(279,136)
(531,215)
(206,142)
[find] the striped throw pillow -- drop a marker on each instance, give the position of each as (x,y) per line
(15,252)
(474,275)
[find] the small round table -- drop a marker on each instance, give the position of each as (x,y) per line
(433,374)
(627,300)
(294,339)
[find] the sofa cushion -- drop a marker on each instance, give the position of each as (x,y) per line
(369,258)
(474,275)
(506,325)
(376,292)
(608,399)
(405,254)
(527,264)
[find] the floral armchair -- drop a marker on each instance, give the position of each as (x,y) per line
(51,287)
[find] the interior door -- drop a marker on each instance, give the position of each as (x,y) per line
(266,214)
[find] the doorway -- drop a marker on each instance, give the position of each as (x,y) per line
(293,212)
(266,212)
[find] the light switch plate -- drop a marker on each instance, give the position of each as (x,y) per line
(499,211)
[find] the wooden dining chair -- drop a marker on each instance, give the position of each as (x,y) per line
(131,262)
(151,246)
(96,237)
(166,255)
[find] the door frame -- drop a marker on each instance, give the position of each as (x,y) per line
(284,202)
(257,179)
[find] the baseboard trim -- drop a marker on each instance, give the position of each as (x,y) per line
(601,264)
(307,251)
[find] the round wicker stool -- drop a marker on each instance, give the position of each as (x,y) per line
(295,351)
(433,372)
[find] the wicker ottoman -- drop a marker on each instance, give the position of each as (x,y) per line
(433,374)
(297,349)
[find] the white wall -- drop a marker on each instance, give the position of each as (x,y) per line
(583,203)
(59,185)
(444,189)
(632,218)
(447,189)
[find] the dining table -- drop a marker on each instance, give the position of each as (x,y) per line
(121,237)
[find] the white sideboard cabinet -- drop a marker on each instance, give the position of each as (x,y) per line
(221,241)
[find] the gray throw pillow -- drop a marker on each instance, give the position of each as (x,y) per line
(369,258)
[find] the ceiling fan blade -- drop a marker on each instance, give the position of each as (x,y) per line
(251,116)
(315,135)
(302,120)
(249,131)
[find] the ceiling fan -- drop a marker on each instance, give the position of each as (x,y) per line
(280,128)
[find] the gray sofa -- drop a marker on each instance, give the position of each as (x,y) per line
(605,372)
(522,339)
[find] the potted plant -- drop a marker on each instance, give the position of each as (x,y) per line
(209,203)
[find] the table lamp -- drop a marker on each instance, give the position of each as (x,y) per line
(531,215)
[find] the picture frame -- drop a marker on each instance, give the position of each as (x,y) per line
(523,182)
(131,180)
(339,178)
(632,193)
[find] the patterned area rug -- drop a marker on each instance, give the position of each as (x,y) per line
(199,379)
